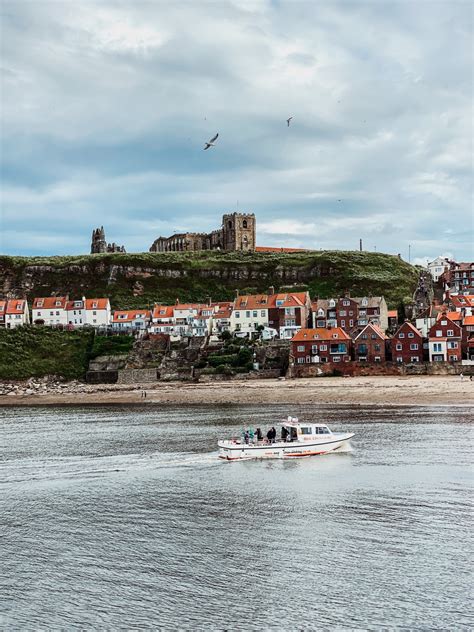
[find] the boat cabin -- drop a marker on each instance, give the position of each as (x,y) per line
(303,431)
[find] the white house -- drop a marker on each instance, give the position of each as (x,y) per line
(131,320)
(51,310)
(437,267)
(249,313)
(97,311)
(14,313)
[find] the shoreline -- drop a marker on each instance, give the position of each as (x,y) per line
(383,390)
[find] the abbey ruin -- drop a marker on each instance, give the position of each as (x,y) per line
(237,233)
(98,243)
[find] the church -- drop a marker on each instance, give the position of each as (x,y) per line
(237,233)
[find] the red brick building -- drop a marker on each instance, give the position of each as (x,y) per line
(407,344)
(370,344)
(321,345)
(445,341)
(289,312)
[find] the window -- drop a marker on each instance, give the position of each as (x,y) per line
(244,224)
(262,313)
(401,335)
(300,348)
(300,360)
(377,359)
(365,302)
(436,346)
(452,345)
(306,430)
(247,314)
(377,347)
(320,323)
(320,312)
(351,323)
(308,359)
(237,314)
(335,335)
(289,311)
(51,313)
(373,336)
(414,359)
(454,358)
(411,334)
(439,333)
(343,323)
(342,312)
(414,347)
(338,348)
(399,347)
(323,348)
(57,313)
(450,332)
(336,359)
(362,349)
(255,314)
(314,349)
(399,359)
(332,303)
(444,323)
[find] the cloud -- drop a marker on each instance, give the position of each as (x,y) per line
(106,105)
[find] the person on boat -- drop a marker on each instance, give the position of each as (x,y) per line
(284,433)
(269,436)
(259,435)
(274,434)
(246,436)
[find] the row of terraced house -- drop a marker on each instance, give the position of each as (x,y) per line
(338,330)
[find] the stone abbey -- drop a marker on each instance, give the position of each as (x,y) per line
(98,243)
(237,233)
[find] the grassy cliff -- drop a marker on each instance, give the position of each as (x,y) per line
(138,280)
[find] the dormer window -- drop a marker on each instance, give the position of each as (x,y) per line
(365,302)
(320,312)
(94,305)
(39,304)
(335,335)
(444,322)
(332,303)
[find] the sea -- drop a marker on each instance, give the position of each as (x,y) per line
(124,518)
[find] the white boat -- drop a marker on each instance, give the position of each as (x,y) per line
(297,439)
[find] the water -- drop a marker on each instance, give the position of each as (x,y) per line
(124,518)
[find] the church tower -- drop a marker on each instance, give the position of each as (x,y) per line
(238,231)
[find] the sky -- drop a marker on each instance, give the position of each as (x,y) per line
(106,106)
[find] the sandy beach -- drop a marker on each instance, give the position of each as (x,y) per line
(386,390)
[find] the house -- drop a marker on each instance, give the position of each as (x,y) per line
(162,320)
(76,313)
(462,303)
(50,311)
(467,336)
(370,344)
(445,341)
(350,313)
(14,313)
(331,344)
(437,267)
(184,316)
(221,319)
(131,320)
(392,317)
(250,313)
(97,311)
(288,312)
(427,319)
(407,344)
(460,278)
(202,321)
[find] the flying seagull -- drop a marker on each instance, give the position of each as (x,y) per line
(212,142)
(288,121)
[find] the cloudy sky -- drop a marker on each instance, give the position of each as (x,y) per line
(105,108)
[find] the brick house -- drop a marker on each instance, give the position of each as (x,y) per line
(407,344)
(288,312)
(317,345)
(351,314)
(445,341)
(370,344)
(467,334)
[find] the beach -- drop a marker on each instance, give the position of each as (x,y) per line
(386,390)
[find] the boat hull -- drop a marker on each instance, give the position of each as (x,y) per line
(234,451)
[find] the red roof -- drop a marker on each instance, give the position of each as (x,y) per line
(3,305)
(163,311)
(460,301)
(392,313)
(273,249)
(376,329)
(50,302)
(407,325)
(468,320)
(290,299)
(253,301)
(131,315)
(16,306)
(97,303)
(320,333)
(451,315)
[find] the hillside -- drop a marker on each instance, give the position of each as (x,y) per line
(138,280)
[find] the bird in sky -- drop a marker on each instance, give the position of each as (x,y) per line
(288,121)
(212,142)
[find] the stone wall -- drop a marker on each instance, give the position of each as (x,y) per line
(137,376)
(387,368)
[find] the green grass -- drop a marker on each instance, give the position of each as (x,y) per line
(111,345)
(37,351)
(138,280)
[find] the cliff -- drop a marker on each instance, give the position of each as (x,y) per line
(138,280)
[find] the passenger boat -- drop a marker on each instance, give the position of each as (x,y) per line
(297,440)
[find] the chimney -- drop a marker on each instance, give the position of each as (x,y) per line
(209,301)
(237,293)
(347,294)
(176,301)
(271,290)
(360,245)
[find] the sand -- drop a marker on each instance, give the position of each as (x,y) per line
(386,390)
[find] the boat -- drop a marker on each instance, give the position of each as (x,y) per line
(298,439)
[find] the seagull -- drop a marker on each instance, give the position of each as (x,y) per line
(212,142)
(288,121)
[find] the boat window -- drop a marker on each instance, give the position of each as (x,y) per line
(306,430)
(321,430)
